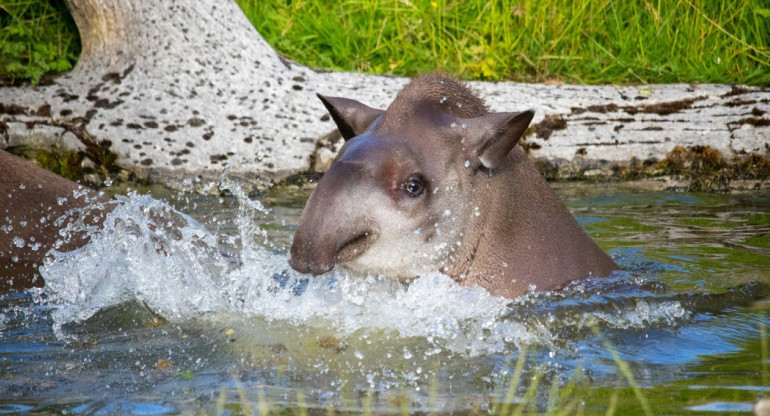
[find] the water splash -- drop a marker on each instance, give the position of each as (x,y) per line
(147,251)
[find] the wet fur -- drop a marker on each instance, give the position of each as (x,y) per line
(27,194)
(439,88)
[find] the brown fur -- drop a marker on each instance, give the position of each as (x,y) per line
(435,90)
(443,89)
(29,195)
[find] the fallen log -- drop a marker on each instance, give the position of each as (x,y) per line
(177,89)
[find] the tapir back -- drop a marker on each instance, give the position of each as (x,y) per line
(31,200)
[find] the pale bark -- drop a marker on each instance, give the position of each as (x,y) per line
(179,88)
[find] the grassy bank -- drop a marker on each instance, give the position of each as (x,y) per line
(588,41)
(37,38)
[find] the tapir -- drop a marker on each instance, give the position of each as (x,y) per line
(436,182)
(35,205)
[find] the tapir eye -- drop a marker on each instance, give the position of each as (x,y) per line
(413,186)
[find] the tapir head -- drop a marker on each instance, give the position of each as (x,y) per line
(403,190)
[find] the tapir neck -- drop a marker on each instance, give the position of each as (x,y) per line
(525,235)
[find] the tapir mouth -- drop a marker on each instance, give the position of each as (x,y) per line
(355,247)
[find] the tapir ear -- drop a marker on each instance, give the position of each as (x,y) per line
(352,117)
(496,134)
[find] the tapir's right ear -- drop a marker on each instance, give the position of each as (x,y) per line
(493,136)
(352,117)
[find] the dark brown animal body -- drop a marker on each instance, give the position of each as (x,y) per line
(31,201)
(437,183)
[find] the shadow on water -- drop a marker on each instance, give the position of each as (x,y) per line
(190,307)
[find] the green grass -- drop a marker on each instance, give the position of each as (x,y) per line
(582,41)
(36,38)
(576,41)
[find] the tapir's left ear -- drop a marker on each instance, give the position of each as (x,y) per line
(495,135)
(352,117)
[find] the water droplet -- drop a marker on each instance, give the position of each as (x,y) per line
(358,355)
(447,212)
(467,163)
(453,125)
(464,125)
(459,104)
(22,187)
(108,182)
(18,242)
(23,223)
(61,200)
(407,353)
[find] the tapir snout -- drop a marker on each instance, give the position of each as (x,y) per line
(332,230)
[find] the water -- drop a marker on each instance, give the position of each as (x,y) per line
(189,306)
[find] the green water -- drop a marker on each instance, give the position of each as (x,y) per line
(288,344)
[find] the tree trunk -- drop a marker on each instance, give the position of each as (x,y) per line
(168,89)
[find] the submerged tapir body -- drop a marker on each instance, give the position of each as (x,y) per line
(35,205)
(437,183)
